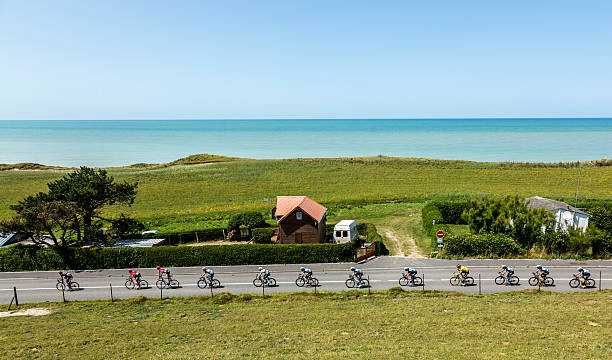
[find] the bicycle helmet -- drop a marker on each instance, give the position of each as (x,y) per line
(157,267)
(406,268)
(260,268)
(539,267)
(130,270)
(580,269)
(204,268)
(504,267)
(60,272)
(458,266)
(352,268)
(302,268)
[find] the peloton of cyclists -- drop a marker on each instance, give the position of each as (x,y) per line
(66,278)
(583,275)
(135,276)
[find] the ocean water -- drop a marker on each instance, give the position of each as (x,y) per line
(116,143)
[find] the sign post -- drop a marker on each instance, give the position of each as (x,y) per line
(440,235)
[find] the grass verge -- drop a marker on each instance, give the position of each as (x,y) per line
(391,324)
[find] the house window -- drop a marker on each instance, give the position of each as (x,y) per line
(298,215)
(338,234)
(345,234)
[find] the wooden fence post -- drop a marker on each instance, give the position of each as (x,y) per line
(111,291)
(369,286)
(599,282)
(63,294)
(479,285)
(17,301)
(423,282)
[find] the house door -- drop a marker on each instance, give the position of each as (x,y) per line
(298,238)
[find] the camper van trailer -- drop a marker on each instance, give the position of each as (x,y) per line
(345,231)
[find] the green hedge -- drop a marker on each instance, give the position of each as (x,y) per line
(28,258)
(430,213)
(263,235)
(602,245)
(451,211)
(480,245)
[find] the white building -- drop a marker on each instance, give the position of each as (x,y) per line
(345,231)
(566,216)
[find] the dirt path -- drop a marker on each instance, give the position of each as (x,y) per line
(399,240)
(391,236)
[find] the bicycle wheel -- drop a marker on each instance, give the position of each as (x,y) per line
(271,282)
(202,283)
(549,281)
(533,281)
(514,280)
(129,284)
(257,282)
(418,281)
(216,283)
(500,280)
(469,280)
(313,282)
(174,284)
(160,284)
(574,283)
(143,284)
(403,281)
(60,286)
(300,282)
(350,283)
(364,283)
(590,283)
(454,281)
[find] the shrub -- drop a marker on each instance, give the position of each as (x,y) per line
(263,235)
(451,211)
(28,258)
(481,245)
(602,244)
(430,213)
(371,233)
(555,242)
(601,218)
(250,219)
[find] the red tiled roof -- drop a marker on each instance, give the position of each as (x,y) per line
(286,204)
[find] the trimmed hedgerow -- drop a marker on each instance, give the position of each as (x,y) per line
(451,211)
(481,245)
(27,258)
(263,235)
(430,213)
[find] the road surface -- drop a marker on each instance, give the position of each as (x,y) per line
(383,272)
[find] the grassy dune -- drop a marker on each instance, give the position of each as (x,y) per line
(197,192)
(391,325)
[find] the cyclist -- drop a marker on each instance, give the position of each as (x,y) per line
(211,275)
(583,275)
(66,278)
(463,272)
(410,273)
(358,276)
(302,274)
(308,274)
(163,271)
(509,274)
(504,270)
(135,276)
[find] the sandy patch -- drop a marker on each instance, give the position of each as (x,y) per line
(28,312)
(216,243)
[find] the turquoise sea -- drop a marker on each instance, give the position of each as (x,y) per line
(123,142)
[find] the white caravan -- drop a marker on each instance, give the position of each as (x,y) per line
(345,231)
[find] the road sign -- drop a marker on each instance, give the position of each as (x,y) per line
(440,234)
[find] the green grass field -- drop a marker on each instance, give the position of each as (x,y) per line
(391,324)
(184,197)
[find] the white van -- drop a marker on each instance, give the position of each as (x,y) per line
(345,231)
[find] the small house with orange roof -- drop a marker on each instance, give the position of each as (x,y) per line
(301,220)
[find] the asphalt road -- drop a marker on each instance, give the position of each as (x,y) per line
(383,272)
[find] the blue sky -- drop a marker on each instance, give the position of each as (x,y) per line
(309,59)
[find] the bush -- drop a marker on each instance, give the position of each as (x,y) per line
(372,235)
(555,242)
(212,234)
(250,219)
(451,211)
(430,213)
(601,218)
(263,235)
(29,258)
(602,245)
(481,245)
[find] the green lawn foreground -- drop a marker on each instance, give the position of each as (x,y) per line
(392,324)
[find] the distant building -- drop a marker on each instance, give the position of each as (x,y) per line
(301,220)
(565,215)
(12,238)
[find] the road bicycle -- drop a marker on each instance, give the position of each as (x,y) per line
(131,283)
(410,280)
(352,282)
(460,279)
(204,282)
(575,282)
(61,285)
(266,281)
(541,280)
(164,283)
(503,279)
(308,281)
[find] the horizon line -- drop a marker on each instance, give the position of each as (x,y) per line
(323,118)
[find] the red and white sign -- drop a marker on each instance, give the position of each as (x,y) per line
(440,234)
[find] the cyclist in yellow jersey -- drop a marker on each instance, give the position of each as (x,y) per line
(463,271)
